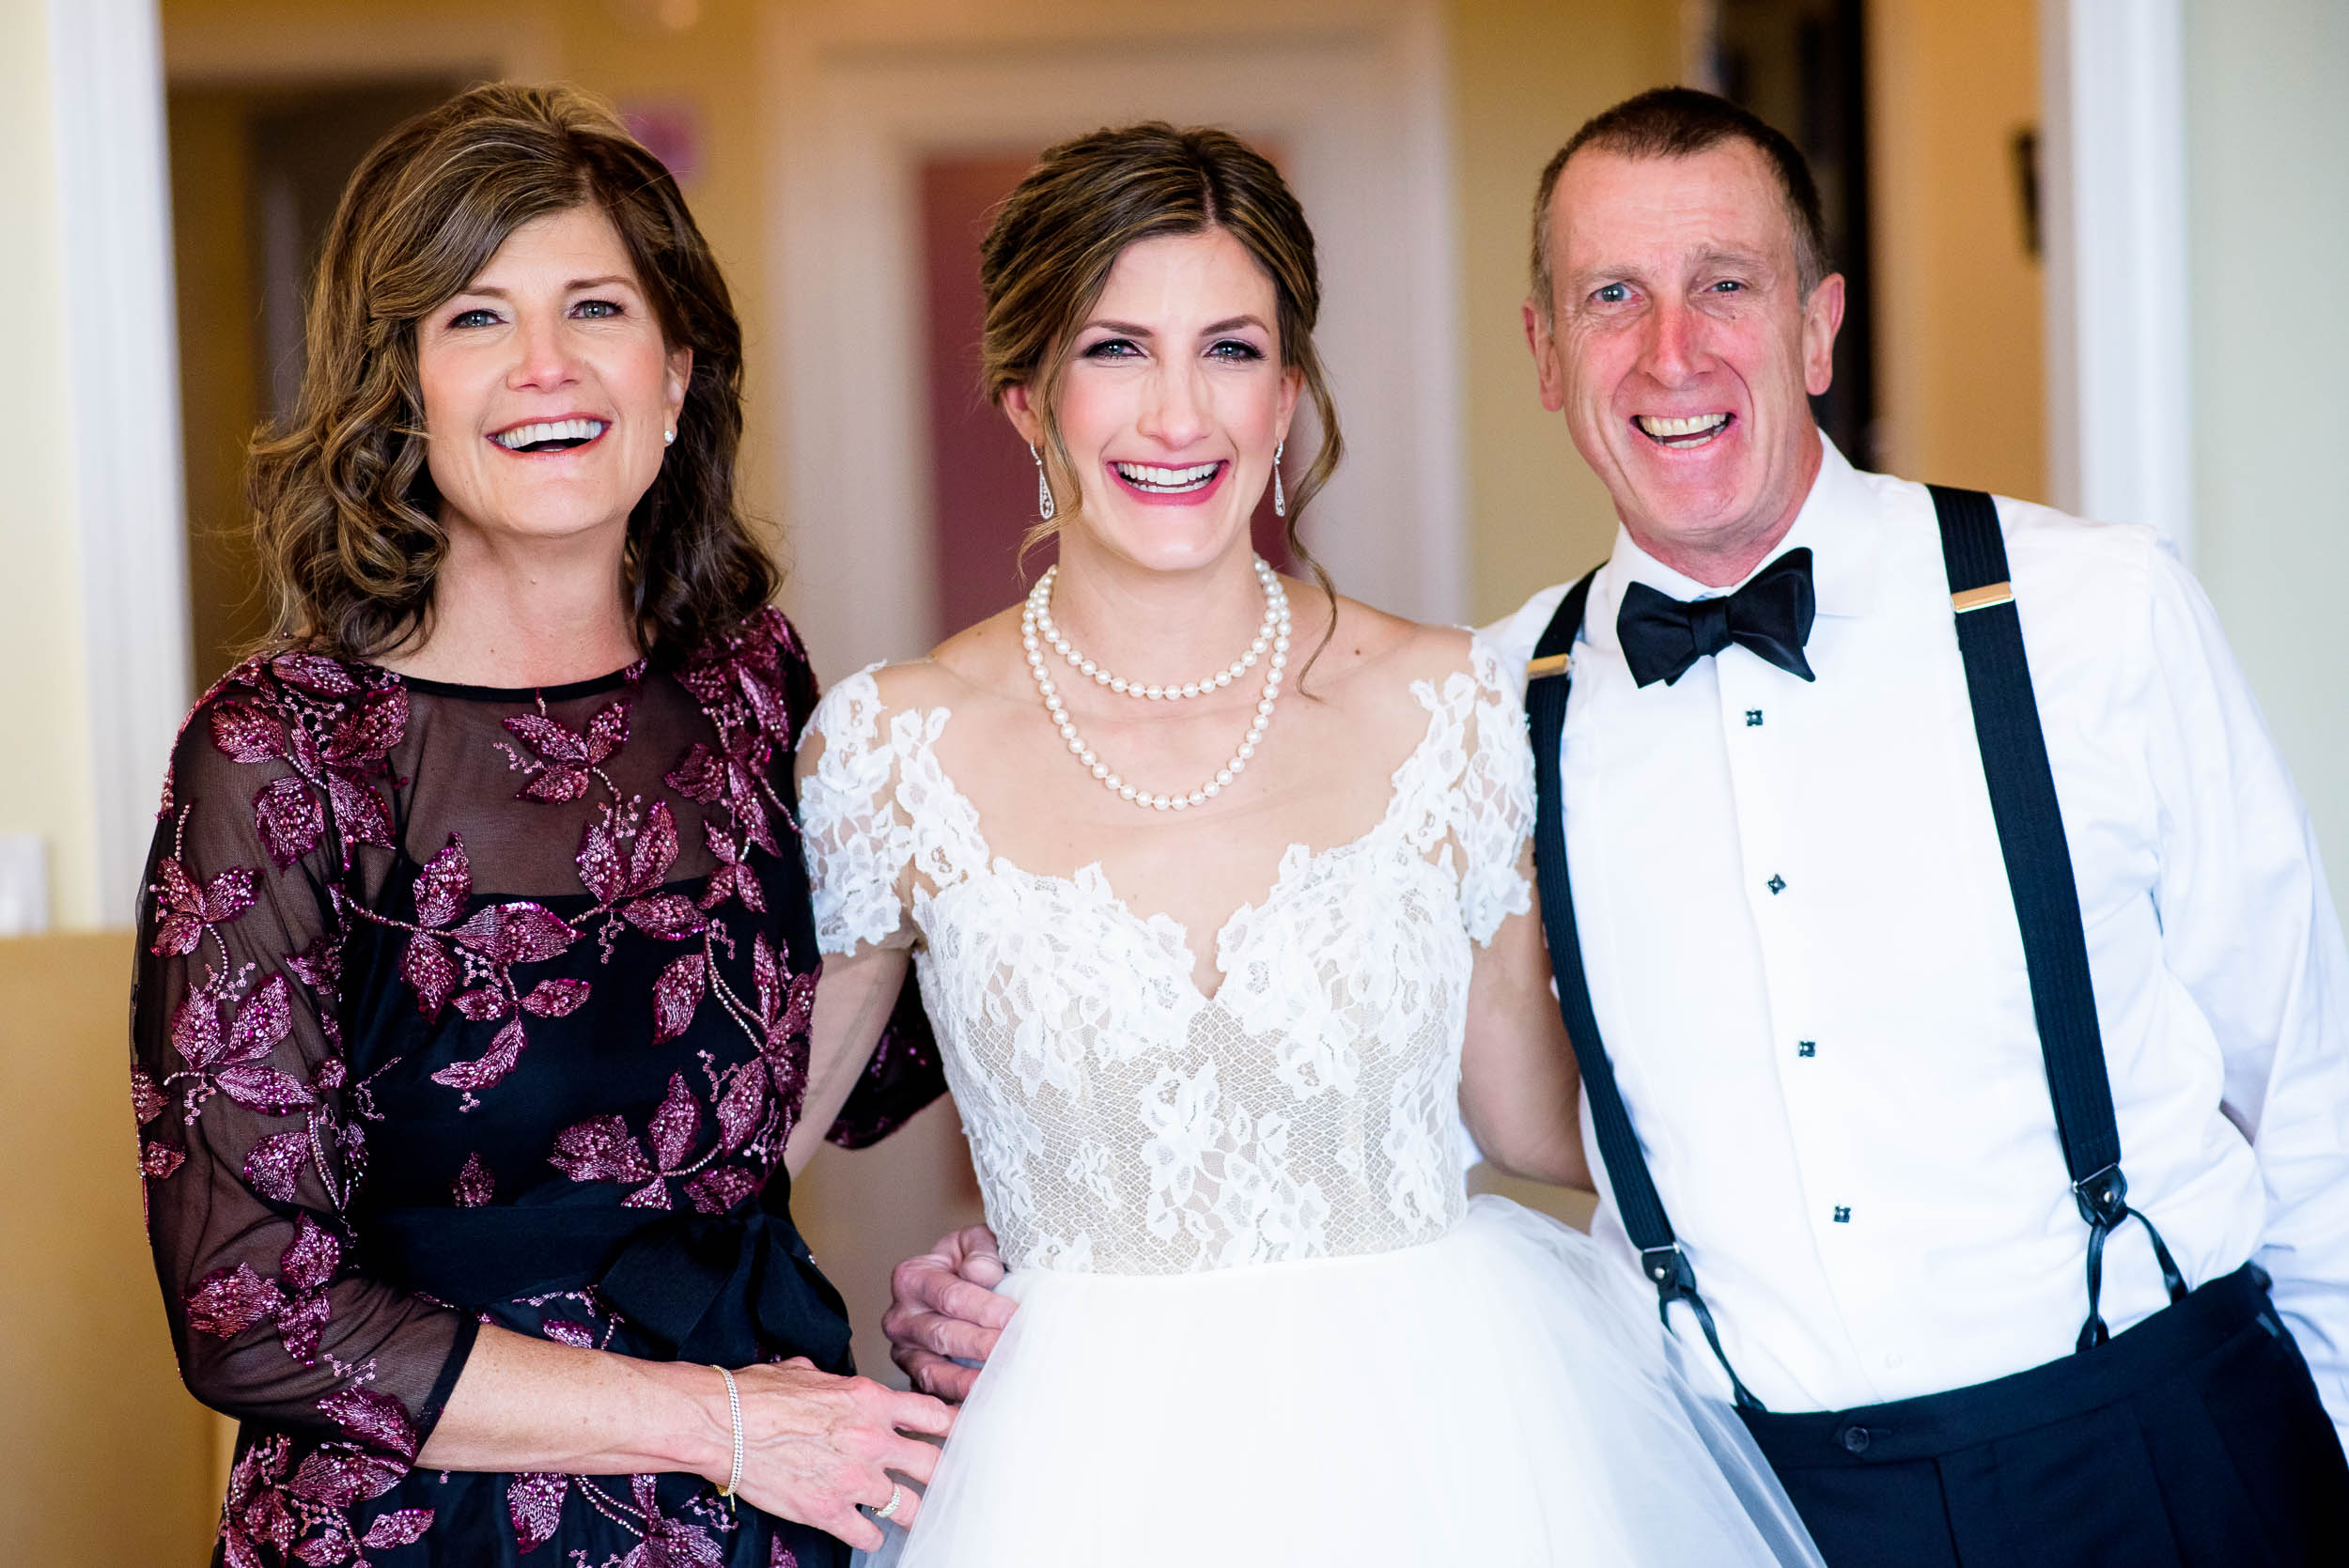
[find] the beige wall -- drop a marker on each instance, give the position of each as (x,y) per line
(44,767)
(2267,210)
(1961,388)
(220,391)
(1525,73)
(104,1460)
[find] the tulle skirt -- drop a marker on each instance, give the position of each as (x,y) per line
(1503,1395)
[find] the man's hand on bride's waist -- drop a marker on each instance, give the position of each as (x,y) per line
(943,1312)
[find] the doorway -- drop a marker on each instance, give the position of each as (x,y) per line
(256,173)
(1801,66)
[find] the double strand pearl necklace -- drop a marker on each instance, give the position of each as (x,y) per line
(1036,632)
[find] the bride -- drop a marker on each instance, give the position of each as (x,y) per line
(1218,885)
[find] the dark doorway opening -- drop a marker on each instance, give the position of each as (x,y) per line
(1801,65)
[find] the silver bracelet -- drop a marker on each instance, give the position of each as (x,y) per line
(734,1407)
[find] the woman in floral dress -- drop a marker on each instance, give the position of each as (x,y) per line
(472,1031)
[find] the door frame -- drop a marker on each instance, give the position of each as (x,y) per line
(122,375)
(2112,184)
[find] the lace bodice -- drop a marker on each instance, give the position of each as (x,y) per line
(1121,1120)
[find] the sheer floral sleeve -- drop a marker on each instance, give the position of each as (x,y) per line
(251,1133)
(1494,803)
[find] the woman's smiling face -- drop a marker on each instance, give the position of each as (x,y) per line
(1173,401)
(549,388)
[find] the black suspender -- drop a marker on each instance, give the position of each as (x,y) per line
(2039,874)
(1636,1198)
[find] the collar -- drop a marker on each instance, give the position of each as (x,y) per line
(1839,521)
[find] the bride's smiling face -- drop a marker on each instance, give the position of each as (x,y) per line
(1173,401)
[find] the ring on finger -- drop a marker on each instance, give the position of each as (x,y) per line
(888,1509)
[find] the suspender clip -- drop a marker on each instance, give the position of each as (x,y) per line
(1668,1266)
(2103,1197)
(1675,1280)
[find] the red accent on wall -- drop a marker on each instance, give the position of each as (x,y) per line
(982,481)
(982,484)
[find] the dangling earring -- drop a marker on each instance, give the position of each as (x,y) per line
(1280,502)
(1044,507)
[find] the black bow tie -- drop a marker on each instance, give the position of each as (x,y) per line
(1771,615)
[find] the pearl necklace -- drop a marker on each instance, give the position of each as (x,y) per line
(1041,598)
(1036,632)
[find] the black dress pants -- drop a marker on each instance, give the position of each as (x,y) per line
(2194,1440)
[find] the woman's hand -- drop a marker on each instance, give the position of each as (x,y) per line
(816,1445)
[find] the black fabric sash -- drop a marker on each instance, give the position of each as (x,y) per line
(730,1289)
(2039,875)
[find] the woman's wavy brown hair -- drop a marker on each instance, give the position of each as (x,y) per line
(346,516)
(1048,256)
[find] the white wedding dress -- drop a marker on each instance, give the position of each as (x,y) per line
(1260,1320)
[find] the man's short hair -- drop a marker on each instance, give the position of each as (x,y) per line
(1680,122)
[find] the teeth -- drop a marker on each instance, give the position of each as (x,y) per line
(549,429)
(1664,429)
(1148,477)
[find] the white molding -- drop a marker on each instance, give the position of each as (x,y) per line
(2120,409)
(122,386)
(1358,104)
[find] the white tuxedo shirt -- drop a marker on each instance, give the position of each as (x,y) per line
(1805,962)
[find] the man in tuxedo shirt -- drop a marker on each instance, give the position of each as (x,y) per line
(1806,966)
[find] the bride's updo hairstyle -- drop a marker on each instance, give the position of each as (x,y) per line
(1047,256)
(346,516)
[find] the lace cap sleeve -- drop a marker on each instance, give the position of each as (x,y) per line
(1494,804)
(858,843)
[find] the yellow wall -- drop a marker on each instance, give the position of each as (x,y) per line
(44,767)
(1525,74)
(2267,213)
(219,374)
(1960,377)
(104,1460)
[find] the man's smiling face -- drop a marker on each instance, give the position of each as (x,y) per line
(1680,348)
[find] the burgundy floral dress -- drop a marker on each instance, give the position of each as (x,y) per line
(459,1005)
